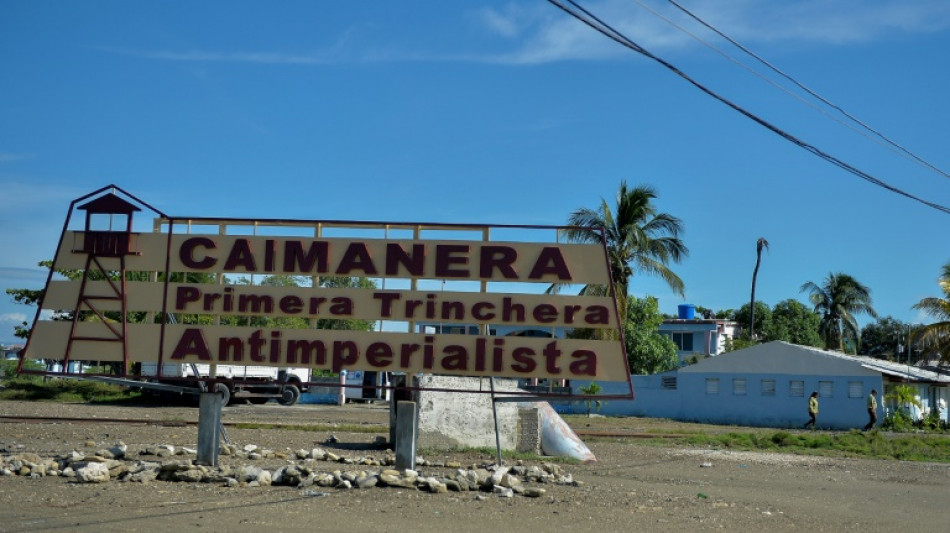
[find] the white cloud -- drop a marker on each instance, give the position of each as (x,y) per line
(552,35)
(503,24)
(542,33)
(271,58)
(12,319)
(823,21)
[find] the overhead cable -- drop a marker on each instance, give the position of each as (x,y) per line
(801,86)
(864,130)
(602,27)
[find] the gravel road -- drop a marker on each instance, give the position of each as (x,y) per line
(634,486)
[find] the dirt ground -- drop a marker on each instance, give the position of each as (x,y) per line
(633,485)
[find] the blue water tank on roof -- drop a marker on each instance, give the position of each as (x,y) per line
(687,311)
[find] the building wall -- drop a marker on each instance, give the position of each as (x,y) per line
(931,398)
(690,401)
(708,336)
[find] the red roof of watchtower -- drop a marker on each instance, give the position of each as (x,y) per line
(109,204)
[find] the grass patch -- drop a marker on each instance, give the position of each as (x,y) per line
(37,388)
(935,448)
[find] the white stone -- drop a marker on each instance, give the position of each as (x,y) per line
(93,473)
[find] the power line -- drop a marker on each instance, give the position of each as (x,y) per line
(775,69)
(602,27)
(865,130)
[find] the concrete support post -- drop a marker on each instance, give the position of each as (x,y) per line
(406,434)
(209,424)
(341,396)
(401,394)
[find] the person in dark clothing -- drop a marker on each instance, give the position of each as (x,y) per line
(812,410)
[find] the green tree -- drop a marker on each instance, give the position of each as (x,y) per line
(640,240)
(709,313)
(741,342)
(726,314)
(759,245)
(885,338)
(648,352)
(934,338)
(763,319)
(794,322)
(837,300)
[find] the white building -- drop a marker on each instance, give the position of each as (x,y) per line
(698,337)
(769,384)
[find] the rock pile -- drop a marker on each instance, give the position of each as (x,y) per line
(168,463)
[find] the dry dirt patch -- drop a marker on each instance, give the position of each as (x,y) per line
(633,486)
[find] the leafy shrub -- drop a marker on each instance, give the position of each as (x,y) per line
(932,422)
(898,421)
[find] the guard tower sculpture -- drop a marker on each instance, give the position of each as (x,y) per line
(106,251)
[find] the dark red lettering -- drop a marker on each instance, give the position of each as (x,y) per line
(291,305)
(356,257)
(545,313)
(192,342)
(524,360)
(396,256)
(187,253)
(584,363)
(500,257)
(184,295)
(379,354)
(446,256)
(241,256)
(315,260)
(550,261)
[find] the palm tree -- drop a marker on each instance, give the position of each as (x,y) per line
(935,338)
(837,300)
(759,244)
(639,240)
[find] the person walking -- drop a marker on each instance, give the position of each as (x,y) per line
(872,410)
(812,410)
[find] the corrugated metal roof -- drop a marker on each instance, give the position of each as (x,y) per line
(890,368)
(775,355)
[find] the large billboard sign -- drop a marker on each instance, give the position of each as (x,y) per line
(453,299)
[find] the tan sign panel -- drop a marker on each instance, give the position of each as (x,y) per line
(334,350)
(338,303)
(452,260)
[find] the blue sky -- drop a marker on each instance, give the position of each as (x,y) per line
(490,112)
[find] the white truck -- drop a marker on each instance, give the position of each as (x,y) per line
(367,386)
(257,384)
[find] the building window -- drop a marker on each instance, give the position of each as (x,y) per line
(684,341)
(712,385)
(768,387)
(826,389)
(738,386)
(668,382)
(855,389)
(796,387)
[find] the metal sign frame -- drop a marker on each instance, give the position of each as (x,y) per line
(403,257)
